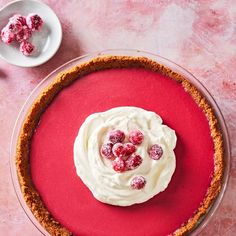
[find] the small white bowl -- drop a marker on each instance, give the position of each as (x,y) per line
(46,41)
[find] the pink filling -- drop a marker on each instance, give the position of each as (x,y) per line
(69,200)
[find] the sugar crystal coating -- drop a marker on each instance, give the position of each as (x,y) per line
(106,150)
(155,152)
(133,161)
(14,27)
(20,29)
(136,137)
(118,165)
(138,182)
(119,150)
(26,48)
(34,22)
(130,148)
(18,19)
(116,136)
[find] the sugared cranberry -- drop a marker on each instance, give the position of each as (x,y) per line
(155,152)
(138,182)
(119,150)
(136,137)
(116,136)
(14,27)
(118,165)
(34,22)
(133,161)
(18,19)
(130,148)
(7,36)
(24,34)
(26,48)
(106,150)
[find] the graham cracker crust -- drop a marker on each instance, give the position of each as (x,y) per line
(64,79)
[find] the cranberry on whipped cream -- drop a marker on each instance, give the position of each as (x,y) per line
(133,161)
(136,137)
(130,148)
(106,150)
(118,165)
(155,152)
(117,155)
(138,182)
(119,150)
(116,136)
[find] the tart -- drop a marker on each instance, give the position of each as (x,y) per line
(44,158)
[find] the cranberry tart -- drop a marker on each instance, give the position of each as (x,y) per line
(46,170)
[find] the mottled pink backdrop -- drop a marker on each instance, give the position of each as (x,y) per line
(198,35)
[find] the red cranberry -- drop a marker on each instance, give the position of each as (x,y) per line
(118,165)
(24,34)
(116,136)
(7,36)
(26,48)
(155,152)
(133,161)
(136,137)
(14,27)
(106,150)
(19,19)
(138,182)
(34,21)
(119,150)
(130,148)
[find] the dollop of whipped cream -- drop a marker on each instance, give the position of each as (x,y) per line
(96,172)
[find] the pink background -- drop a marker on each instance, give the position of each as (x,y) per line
(198,35)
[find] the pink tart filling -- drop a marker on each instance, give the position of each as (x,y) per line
(69,200)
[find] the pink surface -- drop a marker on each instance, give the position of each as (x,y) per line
(199,35)
(66,196)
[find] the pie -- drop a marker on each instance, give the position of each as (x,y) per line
(44,158)
(131,154)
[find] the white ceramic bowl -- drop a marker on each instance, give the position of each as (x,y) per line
(46,42)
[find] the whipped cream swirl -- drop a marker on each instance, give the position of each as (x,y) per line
(96,172)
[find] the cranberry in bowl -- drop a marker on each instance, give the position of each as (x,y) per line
(32,39)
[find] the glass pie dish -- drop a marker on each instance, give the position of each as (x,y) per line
(202,222)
